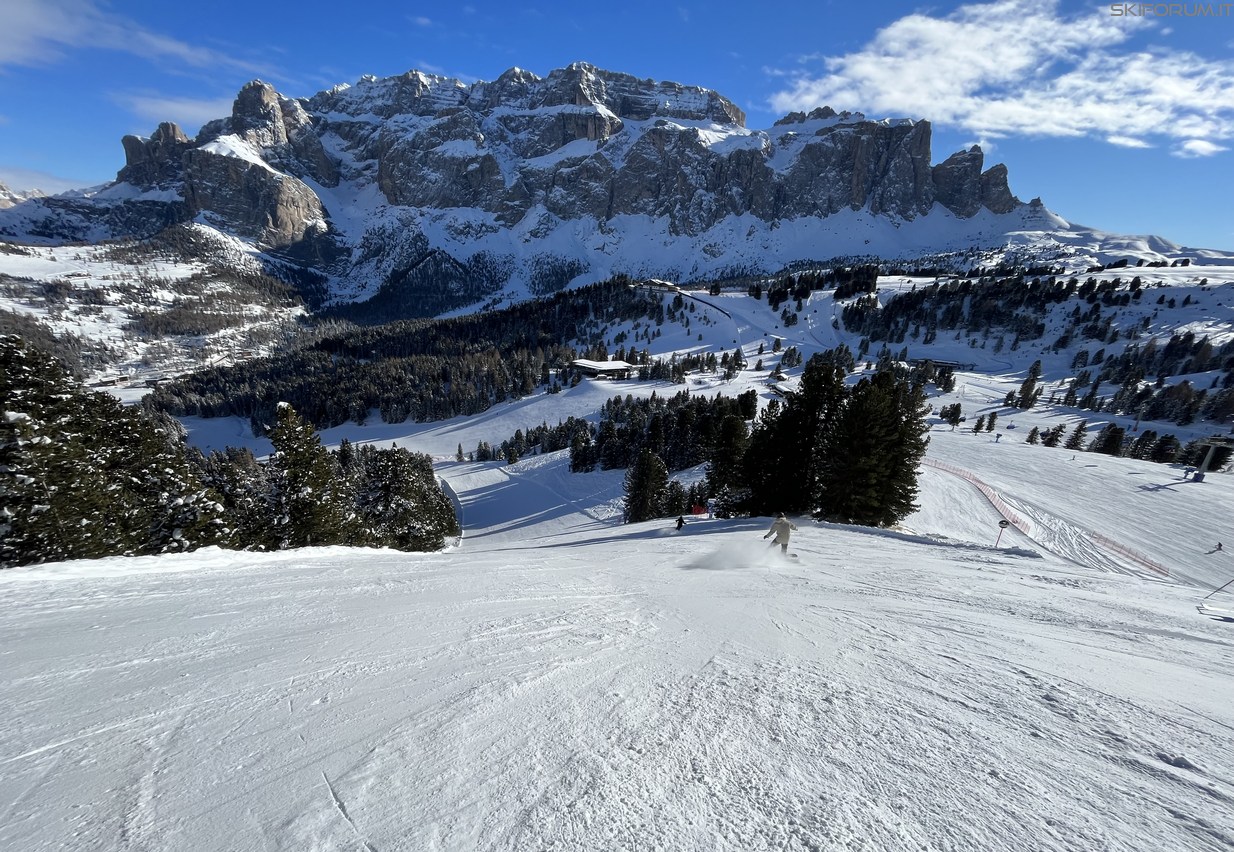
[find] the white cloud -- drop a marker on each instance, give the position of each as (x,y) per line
(189,113)
(1198,148)
(1127,141)
(24,180)
(986,144)
(421,21)
(40,32)
(1005,68)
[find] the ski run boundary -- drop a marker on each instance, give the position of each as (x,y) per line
(1025,526)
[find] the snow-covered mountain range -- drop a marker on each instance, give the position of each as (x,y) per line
(9,197)
(423,184)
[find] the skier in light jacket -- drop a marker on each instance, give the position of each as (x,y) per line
(781,528)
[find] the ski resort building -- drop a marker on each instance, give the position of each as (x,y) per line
(603,369)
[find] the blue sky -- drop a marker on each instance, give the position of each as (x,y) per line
(1123,122)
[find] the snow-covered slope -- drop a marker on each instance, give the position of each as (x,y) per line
(559,680)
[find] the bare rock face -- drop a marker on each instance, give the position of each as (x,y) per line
(156,161)
(580,144)
(957,182)
(256,116)
(995,194)
(444,165)
(274,208)
(280,128)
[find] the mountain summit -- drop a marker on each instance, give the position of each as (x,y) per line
(580,143)
(440,193)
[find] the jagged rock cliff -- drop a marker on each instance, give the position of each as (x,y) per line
(582,148)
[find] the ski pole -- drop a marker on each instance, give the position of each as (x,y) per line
(1214,591)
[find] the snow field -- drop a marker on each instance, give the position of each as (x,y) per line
(561,682)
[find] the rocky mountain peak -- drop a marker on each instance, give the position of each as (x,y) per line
(154,161)
(257,117)
(10,197)
(522,157)
(995,194)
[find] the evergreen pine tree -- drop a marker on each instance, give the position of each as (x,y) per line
(645,486)
(83,476)
(1028,394)
(1034,436)
(400,504)
(1109,440)
(310,499)
(582,451)
(242,485)
(951,415)
(1166,449)
(781,461)
(728,456)
(52,496)
(1053,437)
(868,463)
(1075,441)
(676,501)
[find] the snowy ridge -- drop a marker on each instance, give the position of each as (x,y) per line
(233,146)
(585,169)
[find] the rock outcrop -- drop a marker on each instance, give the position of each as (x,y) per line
(957,182)
(254,200)
(260,197)
(528,153)
(157,161)
(995,194)
(587,142)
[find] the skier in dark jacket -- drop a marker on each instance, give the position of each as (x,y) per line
(781,528)
(681,522)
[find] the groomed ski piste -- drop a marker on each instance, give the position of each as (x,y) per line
(559,680)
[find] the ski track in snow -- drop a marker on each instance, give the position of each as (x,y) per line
(561,681)
(616,688)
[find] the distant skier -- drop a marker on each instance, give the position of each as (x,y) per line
(681,522)
(1219,547)
(781,528)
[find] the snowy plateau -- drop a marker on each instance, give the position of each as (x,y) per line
(556,679)
(560,680)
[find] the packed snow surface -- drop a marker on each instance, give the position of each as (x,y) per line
(559,680)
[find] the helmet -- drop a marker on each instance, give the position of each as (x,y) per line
(780,515)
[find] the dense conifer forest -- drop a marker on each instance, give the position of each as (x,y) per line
(83,476)
(421,369)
